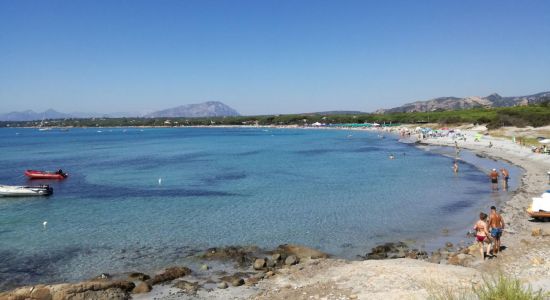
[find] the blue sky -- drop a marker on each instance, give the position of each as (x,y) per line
(263,57)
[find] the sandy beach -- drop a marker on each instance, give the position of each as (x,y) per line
(315,277)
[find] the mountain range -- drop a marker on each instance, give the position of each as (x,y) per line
(206,109)
(453,103)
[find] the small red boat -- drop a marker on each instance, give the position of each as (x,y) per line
(34,174)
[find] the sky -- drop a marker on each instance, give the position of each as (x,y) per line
(267,57)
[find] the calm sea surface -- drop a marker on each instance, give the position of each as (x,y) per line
(321,188)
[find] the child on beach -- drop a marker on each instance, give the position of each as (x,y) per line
(482,233)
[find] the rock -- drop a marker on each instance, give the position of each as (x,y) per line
(259,264)
(535,261)
(103,276)
(276,256)
(252,281)
(243,256)
(353,296)
(448,244)
(94,289)
(169,274)
(222,285)
(204,267)
(300,252)
(142,287)
(537,231)
(269,273)
(41,292)
(190,288)
(291,260)
(388,250)
(435,258)
(270,263)
(237,282)
(138,276)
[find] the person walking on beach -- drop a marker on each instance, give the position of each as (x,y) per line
(494,179)
(455,167)
(496,225)
(482,233)
(505,178)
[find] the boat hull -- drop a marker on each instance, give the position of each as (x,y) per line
(25,191)
(33,174)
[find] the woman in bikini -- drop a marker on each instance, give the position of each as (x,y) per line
(482,233)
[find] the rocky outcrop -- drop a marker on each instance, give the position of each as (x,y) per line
(169,274)
(92,290)
(300,252)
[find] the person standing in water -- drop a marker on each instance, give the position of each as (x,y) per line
(455,167)
(494,179)
(505,178)
(482,233)
(496,225)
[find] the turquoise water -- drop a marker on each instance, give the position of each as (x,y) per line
(321,188)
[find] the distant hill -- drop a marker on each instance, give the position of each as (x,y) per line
(206,109)
(30,115)
(454,103)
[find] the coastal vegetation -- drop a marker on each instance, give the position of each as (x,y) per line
(498,288)
(519,116)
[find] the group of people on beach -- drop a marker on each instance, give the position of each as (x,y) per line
(488,231)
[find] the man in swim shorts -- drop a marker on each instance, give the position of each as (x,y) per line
(505,178)
(496,225)
(494,179)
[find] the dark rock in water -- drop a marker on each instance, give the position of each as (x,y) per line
(169,274)
(448,244)
(243,256)
(259,264)
(291,260)
(416,254)
(138,276)
(300,252)
(388,251)
(190,288)
(222,285)
(142,287)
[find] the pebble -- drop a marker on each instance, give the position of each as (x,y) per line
(222,285)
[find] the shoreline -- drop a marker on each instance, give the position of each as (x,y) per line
(516,238)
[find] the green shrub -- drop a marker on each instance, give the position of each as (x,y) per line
(504,288)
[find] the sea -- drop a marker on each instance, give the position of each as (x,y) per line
(140,199)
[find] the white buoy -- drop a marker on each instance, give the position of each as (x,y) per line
(160,181)
(45,224)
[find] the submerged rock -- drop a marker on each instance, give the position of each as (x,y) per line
(138,276)
(169,274)
(301,252)
(241,255)
(388,251)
